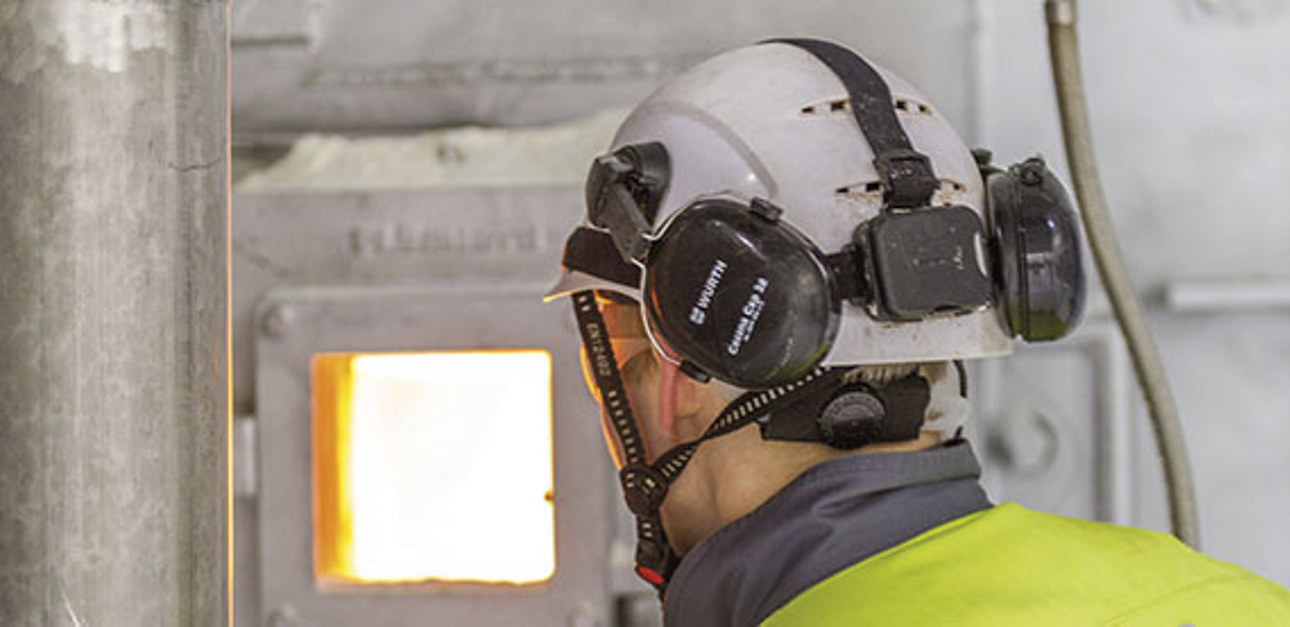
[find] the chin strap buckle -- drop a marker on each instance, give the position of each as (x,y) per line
(655,559)
(654,579)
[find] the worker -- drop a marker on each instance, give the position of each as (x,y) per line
(788,254)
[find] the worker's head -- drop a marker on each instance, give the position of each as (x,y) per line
(783,235)
(671,408)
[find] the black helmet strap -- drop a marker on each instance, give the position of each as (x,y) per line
(905,174)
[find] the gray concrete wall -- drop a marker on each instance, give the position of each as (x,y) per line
(376,65)
(114,498)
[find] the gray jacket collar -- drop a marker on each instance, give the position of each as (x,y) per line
(832,516)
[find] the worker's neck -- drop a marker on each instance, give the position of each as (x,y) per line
(732,475)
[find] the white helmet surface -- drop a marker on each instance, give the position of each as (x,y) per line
(773,121)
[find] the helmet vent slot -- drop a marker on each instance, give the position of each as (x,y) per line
(912,106)
(841,105)
(947,186)
(859,189)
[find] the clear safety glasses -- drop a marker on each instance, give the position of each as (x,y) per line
(633,354)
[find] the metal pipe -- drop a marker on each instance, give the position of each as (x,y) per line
(1064,54)
(1250,296)
(114,476)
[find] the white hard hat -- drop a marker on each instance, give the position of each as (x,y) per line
(773,121)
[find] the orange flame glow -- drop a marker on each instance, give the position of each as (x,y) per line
(433,466)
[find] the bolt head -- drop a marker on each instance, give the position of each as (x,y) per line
(277,320)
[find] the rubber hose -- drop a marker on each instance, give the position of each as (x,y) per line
(1064,54)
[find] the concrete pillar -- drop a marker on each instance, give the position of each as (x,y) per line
(114,419)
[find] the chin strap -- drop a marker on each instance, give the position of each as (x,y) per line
(840,413)
(645,485)
(655,559)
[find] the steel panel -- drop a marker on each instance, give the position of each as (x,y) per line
(479,237)
(1053,425)
(412,318)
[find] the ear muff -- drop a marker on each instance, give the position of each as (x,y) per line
(1040,274)
(740,295)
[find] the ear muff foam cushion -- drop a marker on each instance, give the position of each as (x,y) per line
(743,298)
(1009,279)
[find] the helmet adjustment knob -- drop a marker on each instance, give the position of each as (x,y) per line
(852,419)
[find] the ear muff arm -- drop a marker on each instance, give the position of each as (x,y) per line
(619,213)
(623,190)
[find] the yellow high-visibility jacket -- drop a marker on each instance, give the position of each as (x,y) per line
(1007,565)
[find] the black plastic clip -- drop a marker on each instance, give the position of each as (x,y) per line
(643,488)
(906,177)
(763,209)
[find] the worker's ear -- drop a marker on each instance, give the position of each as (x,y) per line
(694,405)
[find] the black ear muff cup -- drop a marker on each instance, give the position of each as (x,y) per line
(1036,234)
(741,295)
